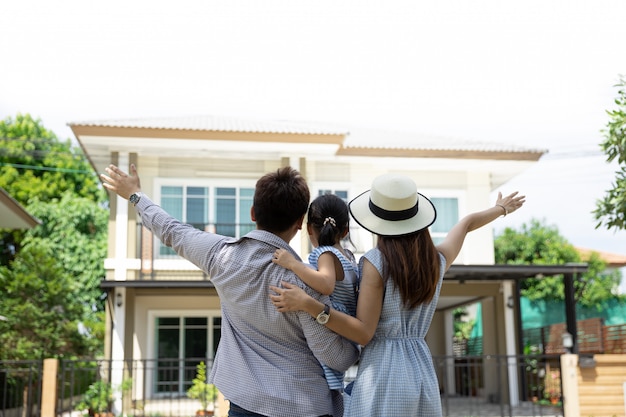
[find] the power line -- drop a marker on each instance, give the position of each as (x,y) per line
(43,168)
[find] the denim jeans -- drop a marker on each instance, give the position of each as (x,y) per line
(236,411)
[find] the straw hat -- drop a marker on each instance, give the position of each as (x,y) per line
(393,207)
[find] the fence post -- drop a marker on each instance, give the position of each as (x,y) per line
(569,385)
(49,387)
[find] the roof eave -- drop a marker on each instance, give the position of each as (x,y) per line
(24,219)
(237,136)
(440,153)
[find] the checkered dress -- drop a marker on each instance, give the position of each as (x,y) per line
(396,376)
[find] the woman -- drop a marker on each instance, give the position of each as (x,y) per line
(400,284)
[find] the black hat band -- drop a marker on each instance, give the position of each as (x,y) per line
(394,215)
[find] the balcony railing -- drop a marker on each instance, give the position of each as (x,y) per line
(158,262)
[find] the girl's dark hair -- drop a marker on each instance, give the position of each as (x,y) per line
(328,214)
(412,262)
(280,199)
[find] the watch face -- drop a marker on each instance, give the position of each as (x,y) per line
(323,317)
(134,198)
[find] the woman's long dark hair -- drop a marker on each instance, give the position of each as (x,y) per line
(412,262)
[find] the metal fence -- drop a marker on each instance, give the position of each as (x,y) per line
(20,388)
(491,385)
(499,385)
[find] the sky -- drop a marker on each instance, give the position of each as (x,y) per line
(533,73)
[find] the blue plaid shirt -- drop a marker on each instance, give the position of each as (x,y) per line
(267,362)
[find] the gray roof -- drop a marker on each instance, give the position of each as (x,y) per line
(389,139)
(355,137)
(219,124)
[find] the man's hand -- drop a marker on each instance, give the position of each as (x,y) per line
(120,182)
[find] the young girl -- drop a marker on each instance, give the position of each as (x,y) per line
(333,270)
(400,284)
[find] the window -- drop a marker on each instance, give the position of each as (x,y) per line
(447,216)
(339,193)
(181,343)
(223,210)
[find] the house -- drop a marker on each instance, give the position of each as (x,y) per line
(13,215)
(612,260)
(203,170)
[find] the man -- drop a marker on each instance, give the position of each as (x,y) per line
(267,362)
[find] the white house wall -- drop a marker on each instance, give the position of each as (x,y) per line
(472,187)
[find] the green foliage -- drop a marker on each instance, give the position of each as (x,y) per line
(50,275)
(539,244)
(36,164)
(38,302)
(462,328)
(200,389)
(76,228)
(99,396)
(611,210)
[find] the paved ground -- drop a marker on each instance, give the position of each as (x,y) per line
(477,407)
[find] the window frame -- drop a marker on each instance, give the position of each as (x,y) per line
(151,369)
(211,185)
(460,197)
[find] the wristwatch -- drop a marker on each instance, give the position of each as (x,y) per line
(323,317)
(134,198)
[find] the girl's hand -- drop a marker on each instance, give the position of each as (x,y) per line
(289,297)
(283,258)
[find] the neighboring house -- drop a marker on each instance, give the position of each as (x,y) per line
(612,260)
(203,170)
(13,215)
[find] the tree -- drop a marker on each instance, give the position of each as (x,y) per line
(50,280)
(76,229)
(539,244)
(462,327)
(35,164)
(42,317)
(611,210)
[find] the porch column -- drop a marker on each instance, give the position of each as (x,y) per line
(448,326)
(119,293)
(491,385)
(301,240)
(570,309)
(509,303)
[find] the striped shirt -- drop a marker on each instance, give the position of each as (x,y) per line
(267,362)
(343,297)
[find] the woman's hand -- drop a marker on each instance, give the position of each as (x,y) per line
(120,182)
(511,202)
(289,297)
